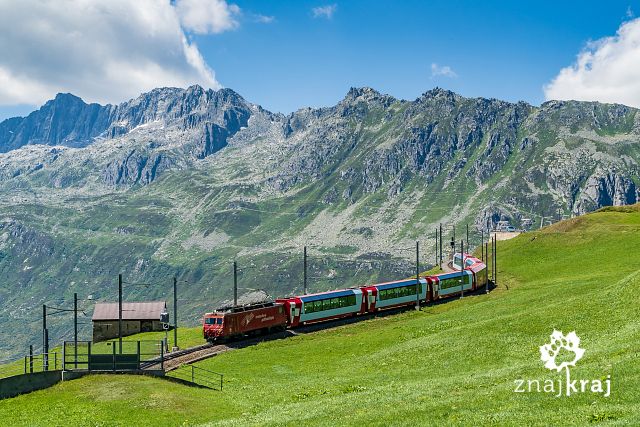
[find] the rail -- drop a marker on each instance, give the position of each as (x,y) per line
(199,376)
(170,356)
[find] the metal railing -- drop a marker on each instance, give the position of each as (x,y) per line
(200,376)
(31,363)
(108,356)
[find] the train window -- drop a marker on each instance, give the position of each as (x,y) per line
(219,320)
(330,304)
(308,307)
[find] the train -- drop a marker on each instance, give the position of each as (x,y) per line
(229,323)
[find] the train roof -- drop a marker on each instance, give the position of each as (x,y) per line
(450,274)
(240,308)
(329,294)
(396,283)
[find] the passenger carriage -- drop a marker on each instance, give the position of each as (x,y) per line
(448,284)
(322,306)
(393,294)
(476,266)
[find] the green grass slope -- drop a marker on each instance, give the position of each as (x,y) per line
(454,363)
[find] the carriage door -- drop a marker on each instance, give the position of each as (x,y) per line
(372,293)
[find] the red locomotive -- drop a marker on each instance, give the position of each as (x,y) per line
(235,322)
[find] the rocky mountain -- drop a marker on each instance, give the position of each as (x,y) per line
(184,181)
(65,120)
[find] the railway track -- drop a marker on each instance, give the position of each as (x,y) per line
(205,351)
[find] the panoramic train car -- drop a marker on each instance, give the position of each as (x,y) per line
(446,284)
(323,306)
(393,294)
(232,322)
(474,265)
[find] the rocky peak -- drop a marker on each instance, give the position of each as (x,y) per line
(366,95)
(438,93)
(64,120)
(189,107)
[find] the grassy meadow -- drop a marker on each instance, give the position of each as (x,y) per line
(449,364)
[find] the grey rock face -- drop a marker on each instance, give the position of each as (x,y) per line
(135,168)
(606,189)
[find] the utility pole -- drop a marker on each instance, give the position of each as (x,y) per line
(454,233)
(453,250)
(491,258)
(120,312)
(436,246)
(440,245)
(482,244)
(495,261)
(468,245)
(304,278)
(235,284)
(417,275)
(175,312)
(462,268)
(486,268)
(75,329)
(45,337)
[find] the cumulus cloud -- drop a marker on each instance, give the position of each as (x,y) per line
(324,11)
(442,71)
(607,70)
(103,51)
(207,16)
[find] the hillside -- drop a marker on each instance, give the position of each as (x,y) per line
(184,181)
(450,363)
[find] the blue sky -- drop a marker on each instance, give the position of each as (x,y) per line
(281,55)
(505,50)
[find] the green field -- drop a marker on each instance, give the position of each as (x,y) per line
(453,363)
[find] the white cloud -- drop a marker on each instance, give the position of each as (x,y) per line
(103,51)
(442,71)
(207,16)
(264,19)
(324,11)
(607,70)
